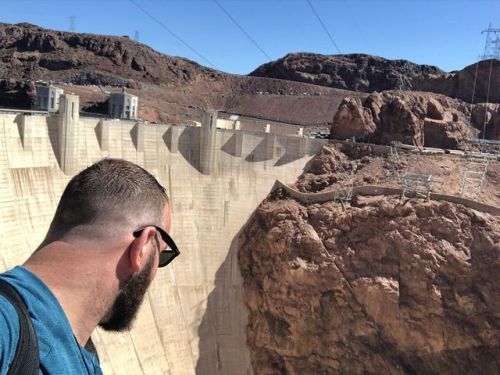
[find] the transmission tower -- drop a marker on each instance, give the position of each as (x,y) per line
(72,21)
(492,44)
(136,36)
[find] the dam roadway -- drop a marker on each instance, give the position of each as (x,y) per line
(193,319)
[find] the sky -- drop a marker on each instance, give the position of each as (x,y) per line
(445,33)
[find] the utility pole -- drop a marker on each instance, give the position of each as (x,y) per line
(492,44)
(72,21)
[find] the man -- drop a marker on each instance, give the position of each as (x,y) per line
(101,252)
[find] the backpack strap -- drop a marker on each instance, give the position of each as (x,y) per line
(27,358)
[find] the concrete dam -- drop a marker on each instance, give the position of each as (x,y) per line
(193,320)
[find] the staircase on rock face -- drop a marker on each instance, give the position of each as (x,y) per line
(476,166)
(395,160)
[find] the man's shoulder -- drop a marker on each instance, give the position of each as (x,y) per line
(9,333)
(59,350)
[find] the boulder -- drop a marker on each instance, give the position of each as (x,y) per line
(434,109)
(401,119)
(353,120)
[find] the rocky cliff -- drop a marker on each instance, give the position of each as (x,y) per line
(378,286)
(486,118)
(479,82)
(366,73)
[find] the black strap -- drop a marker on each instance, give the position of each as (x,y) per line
(27,358)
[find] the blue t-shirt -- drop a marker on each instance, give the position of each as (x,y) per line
(60,353)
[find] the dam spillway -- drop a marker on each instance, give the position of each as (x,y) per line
(193,319)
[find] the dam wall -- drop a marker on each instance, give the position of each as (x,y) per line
(193,319)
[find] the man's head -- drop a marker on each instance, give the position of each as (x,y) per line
(111,194)
(104,205)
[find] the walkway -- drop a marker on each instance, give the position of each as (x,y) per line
(373,190)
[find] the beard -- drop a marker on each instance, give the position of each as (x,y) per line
(124,310)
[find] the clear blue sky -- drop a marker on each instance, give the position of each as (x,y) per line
(446,33)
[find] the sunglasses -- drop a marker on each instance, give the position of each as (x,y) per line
(167,255)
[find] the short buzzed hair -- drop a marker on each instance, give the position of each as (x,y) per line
(109,192)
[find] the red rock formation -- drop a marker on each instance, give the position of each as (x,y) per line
(359,118)
(377,288)
(420,119)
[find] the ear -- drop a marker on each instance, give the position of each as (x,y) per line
(138,251)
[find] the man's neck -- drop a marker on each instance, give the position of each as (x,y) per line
(79,287)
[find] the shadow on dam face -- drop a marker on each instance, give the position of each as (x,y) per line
(222,332)
(189,146)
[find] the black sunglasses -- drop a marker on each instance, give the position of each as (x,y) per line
(167,255)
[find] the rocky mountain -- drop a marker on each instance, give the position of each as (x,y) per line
(356,72)
(366,73)
(377,286)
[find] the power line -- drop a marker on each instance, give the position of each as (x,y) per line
(172,33)
(323,25)
(242,29)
